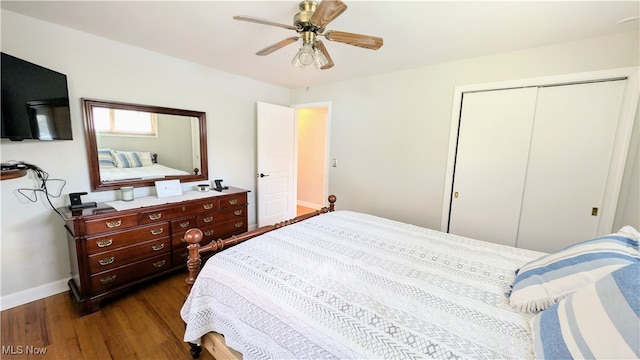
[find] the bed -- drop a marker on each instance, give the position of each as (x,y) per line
(356,286)
(116,165)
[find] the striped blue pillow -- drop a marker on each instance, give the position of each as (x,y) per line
(131,159)
(599,321)
(105,160)
(544,281)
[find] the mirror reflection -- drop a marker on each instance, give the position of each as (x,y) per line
(136,145)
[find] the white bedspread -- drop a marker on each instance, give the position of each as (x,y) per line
(155,171)
(350,285)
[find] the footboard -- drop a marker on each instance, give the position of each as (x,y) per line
(194,236)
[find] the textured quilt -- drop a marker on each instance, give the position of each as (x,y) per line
(354,286)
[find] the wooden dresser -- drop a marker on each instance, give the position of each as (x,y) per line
(111,250)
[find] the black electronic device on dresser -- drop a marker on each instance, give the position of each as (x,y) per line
(111,251)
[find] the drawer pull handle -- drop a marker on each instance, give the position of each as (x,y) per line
(159,264)
(184,224)
(157,231)
(185,255)
(107,261)
(208,219)
(183,240)
(239,224)
(108,279)
(104,243)
(238,212)
(114,223)
(208,233)
(233,201)
(155,216)
(207,206)
(158,247)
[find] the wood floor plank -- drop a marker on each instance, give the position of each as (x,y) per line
(64,341)
(143,324)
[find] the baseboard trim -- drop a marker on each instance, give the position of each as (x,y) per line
(309,205)
(33,294)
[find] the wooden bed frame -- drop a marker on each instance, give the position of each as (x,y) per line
(213,342)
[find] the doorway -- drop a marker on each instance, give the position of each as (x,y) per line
(312,123)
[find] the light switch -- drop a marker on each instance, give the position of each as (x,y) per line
(334,163)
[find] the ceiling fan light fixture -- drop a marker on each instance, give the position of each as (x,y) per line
(310,23)
(304,57)
(320,59)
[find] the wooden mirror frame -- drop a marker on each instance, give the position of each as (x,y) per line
(92,145)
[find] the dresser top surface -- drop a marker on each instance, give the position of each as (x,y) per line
(147,202)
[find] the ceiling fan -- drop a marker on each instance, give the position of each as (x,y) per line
(310,24)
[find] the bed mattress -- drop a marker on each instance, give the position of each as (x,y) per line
(352,285)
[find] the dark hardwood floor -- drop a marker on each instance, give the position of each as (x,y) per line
(142,324)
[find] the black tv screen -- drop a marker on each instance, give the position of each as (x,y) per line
(35,102)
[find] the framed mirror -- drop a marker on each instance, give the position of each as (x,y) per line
(136,145)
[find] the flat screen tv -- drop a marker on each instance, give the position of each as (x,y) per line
(35,102)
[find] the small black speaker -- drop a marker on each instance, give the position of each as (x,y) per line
(76,201)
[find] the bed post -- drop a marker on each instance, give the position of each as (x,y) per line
(193,238)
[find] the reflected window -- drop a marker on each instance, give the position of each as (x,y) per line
(125,122)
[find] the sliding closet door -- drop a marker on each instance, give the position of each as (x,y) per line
(493,145)
(571,150)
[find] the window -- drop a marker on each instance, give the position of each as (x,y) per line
(125,122)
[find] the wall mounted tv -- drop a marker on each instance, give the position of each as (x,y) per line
(35,102)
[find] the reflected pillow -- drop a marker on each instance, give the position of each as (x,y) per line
(131,159)
(599,321)
(544,281)
(105,160)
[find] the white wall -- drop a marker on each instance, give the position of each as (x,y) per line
(390,132)
(34,255)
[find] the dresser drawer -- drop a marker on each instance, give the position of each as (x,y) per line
(217,217)
(232,213)
(112,223)
(111,279)
(229,228)
(207,219)
(182,225)
(147,217)
(180,258)
(233,200)
(211,232)
(210,204)
(113,259)
(112,241)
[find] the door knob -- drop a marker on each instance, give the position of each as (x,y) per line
(262,175)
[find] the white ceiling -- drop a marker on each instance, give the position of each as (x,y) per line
(416,33)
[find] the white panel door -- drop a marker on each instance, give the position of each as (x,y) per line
(493,145)
(571,150)
(276,142)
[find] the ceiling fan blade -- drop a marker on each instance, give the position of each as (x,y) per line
(363,41)
(326,11)
(279,45)
(263,22)
(320,46)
